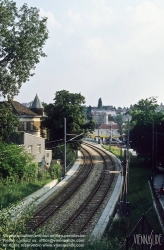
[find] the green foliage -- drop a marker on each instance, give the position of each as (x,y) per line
(144,114)
(55,171)
(11,192)
(114,150)
(70,106)
(8,121)
(15,162)
(139,197)
(89,112)
(23,34)
(58,153)
(144,111)
(99,103)
(119,121)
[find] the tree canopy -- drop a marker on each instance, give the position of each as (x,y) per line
(144,111)
(8,121)
(145,117)
(119,121)
(23,34)
(70,106)
(89,109)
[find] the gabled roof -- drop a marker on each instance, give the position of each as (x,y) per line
(19,109)
(36,103)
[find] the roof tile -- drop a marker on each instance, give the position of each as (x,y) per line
(19,109)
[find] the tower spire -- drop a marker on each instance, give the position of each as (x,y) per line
(37,106)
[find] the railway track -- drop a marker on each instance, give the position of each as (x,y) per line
(55,202)
(82,217)
(78,222)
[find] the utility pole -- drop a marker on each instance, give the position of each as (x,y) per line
(127,159)
(124,204)
(98,135)
(121,144)
(64,153)
(110,139)
(123,198)
(152,174)
(127,146)
(64,170)
(156,157)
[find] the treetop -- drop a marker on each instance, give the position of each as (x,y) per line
(23,35)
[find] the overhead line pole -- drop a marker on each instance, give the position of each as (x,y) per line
(64,170)
(75,137)
(65,141)
(152,150)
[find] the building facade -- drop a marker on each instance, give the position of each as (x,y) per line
(30,134)
(30,122)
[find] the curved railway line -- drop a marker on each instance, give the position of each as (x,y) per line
(78,221)
(54,202)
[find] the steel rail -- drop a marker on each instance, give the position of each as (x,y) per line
(50,207)
(92,196)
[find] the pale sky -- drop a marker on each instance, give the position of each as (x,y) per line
(113,49)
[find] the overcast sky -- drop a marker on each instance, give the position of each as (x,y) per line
(113,49)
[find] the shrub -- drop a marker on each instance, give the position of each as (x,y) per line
(55,171)
(58,153)
(16,163)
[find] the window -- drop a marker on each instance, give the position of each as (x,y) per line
(39,148)
(31,125)
(30,149)
(25,125)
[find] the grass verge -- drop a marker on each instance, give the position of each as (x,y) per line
(11,193)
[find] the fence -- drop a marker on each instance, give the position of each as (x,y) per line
(143,237)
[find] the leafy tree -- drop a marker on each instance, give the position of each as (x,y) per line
(70,106)
(99,103)
(119,121)
(23,34)
(8,121)
(89,109)
(57,153)
(144,111)
(144,115)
